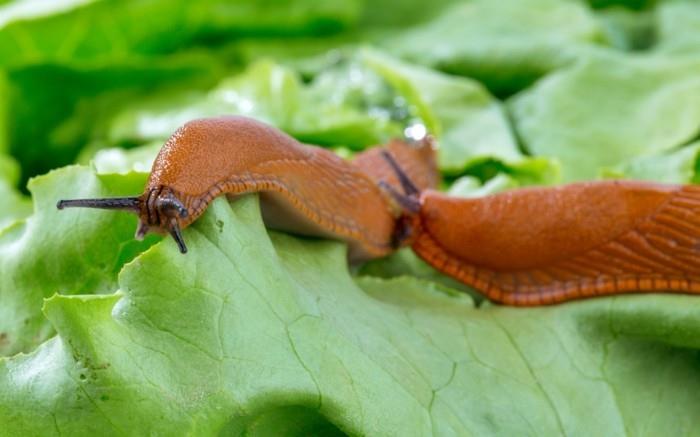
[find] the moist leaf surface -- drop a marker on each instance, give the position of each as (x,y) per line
(249,328)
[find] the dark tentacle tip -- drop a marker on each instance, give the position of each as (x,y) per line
(177,236)
(59,204)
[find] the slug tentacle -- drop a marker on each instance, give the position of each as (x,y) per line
(177,236)
(408,187)
(168,203)
(408,223)
(121,203)
(417,160)
(409,204)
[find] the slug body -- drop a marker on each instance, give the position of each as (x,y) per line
(542,246)
(303,189)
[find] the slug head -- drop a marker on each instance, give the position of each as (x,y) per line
(159,210)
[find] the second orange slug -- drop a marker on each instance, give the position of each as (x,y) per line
(539,246)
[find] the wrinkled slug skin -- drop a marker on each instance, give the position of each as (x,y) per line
(542,246)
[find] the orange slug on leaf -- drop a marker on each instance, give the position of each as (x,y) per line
(303,189)
(540,246)
(534,246)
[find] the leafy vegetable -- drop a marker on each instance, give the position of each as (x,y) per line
(679,27)
(364,102)
(609,108)
(50,252)
(680,166)
(13,206)
(506,44)
(627,29)
(262,333)
(108,31)
(469,123)
(69,65)
(332,110)
(271,338)
(51,111)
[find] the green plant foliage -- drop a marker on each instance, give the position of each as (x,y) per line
(505,45)
(469,123)
(84,30)
(681,166)
(334,109)
(13,206)
(282,328)
(260,333)
(678,27)
(68,252)
(629,106)
(83,59)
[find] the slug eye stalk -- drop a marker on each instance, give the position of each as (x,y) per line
(408,186)
(408,203)
(121,203)
(177,236)
(408,224)
(408,200)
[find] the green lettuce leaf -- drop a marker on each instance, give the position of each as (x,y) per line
(249,332)
(506,45)
(71,64)
(681,166)
(99,31)
(609,108)
(627,29)
(13,205)
(71,251)
(122,161)
(261,333)
(346,106)
(49,112)
(469,123)
(630,4)
(678,27)
(365,101)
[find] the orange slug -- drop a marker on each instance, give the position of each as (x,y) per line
(540,246)
(303,189)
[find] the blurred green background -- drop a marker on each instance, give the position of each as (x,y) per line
(589,85)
